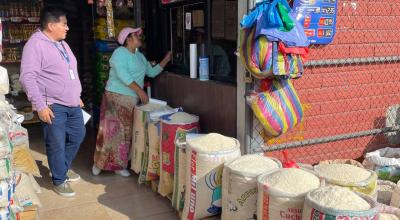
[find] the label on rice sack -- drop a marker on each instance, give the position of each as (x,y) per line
(172,127)
(153,151)
(139,134)
(178,194)
(350,176)
(205,158)
(5,193)
(281,193)
(239,185)
(334,202)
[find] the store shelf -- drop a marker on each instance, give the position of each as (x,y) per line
(11,62)
(14,41)
(20,19)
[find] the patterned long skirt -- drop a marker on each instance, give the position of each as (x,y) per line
(114,138)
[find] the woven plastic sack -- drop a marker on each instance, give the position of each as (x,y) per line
(385,209)
(6,191)
(170,132)
(239,188)
(204,180)
(178,194)
(23,161)
(5,145)
(278,109)
(385,162)
(367,187)
(5,169)
(25,192)
(274,204)
(312,210)
(385,191)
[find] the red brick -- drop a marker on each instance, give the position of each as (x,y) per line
(349,37)
(363,50)
(388,75)
(345,105)
(379,8)
(347,78)
(385,22)
(308,81)
(355,8)
(386,50)
(395,6)
(383,102)
(365,22)
(344,23)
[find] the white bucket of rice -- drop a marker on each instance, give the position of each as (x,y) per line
(205,158)
(281,193)
(335,202)
(239,185)
(347,175)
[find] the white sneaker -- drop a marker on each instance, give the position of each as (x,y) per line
(95,170)
(124,173)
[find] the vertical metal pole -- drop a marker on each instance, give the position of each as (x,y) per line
(138,13)
(243,118)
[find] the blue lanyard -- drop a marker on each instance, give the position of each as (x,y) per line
(63,52)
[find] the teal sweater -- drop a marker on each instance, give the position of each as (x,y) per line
(127,67)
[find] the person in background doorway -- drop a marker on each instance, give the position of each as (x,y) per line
(49,75)
(123,91)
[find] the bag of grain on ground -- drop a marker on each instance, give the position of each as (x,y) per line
(350,176)
(205,160)
(335,202)
(281,193)
(239,185)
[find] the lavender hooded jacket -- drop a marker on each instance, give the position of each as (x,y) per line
(45,73)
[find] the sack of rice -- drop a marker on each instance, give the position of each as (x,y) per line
(140,119)
(5,169)
(385,162)
(395,197)
(25,192)
(6,191)
(346,175)
(205,158)
(281,193)
(388,213)
(5,145)
(334,202)
(239,185)
(178,194)
(343,161)
(173,126)
(384,191)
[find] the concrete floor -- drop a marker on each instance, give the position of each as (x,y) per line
(104,197)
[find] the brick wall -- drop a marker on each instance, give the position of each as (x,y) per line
(349,98)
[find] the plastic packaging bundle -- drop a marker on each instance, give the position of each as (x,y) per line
(278,108)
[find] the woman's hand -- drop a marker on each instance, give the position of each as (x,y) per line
(166,59)
(144,98)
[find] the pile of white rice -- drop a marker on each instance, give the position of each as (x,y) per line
(343,172)
(253,164)
(339,198)
(213,143)
(182,118)
(292,180)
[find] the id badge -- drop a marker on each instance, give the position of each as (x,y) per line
(71,74)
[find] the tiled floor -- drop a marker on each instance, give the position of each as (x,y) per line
(106,196)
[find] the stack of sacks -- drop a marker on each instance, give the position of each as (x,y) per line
(146,139)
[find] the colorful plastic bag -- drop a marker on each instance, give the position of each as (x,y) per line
(278,108)
(264,59)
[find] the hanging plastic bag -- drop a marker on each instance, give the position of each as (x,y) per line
(278,108)
(263,59)
(296,37)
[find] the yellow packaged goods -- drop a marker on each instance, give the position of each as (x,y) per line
(239,185)
(334,202)
(281,193)
(205,158)
(346,175)
(23,161)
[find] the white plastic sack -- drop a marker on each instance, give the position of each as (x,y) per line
(385,162)
(4,81)
(275,204)
(239,185)
(204,180)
